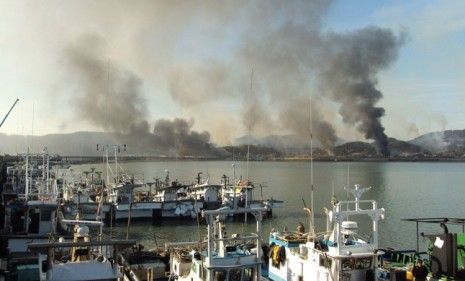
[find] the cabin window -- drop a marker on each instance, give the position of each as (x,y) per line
(325,261)
(46,215)
(347,264)
(363,263)
(235,275)
(219,275)
(248,274)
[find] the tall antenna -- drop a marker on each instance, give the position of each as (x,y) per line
(348,179)
(311,170)
(249,131)
(32,129)
(108,94)
(248,154)
(26,191)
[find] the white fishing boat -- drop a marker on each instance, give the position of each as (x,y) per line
(239,195)
(125,205)
(341,253)
(233,258)
(206,192)
(82,199)
(82,259)
(177,200)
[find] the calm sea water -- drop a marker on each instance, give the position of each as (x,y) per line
(405,190)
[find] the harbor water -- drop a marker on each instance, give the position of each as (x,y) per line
(404,189)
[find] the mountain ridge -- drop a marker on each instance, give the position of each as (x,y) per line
(449,143)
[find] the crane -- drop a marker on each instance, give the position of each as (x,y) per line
(6,116)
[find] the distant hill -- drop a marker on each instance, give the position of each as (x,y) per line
(256,152)
(78,143)
(286,144)
(450,141)
(356,148)
(449,144)
(403,148)
(364,149)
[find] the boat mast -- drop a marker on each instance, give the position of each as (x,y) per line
(107,164)
(43,164)
(248,135)
(248,155)
(311,172)
(233,185)
(116,164)
(47,178)
(32,129)
(26,192)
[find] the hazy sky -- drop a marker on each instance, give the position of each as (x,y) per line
(178,50)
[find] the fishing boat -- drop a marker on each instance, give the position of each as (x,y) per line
(443,252)
(235,258)
(145,265)
(82,258)
(206,192)
(30,217)
(340,253)
(125,205)
(177,199)
(82,194)
(239,195)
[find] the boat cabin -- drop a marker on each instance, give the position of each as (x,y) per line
(341,253)
(225,258)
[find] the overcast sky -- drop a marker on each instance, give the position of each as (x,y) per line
(178,50)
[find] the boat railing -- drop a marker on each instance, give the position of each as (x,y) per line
(51,245)
(238,238)
(173,245)
(357,205)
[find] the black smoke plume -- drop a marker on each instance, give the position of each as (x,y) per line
(295,59)
(111,98)
(349,63)
(293,54)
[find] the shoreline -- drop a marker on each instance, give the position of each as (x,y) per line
(97,159)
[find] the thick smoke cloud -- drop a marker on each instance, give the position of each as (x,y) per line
(292,53)
(295,120)
(349,65)
(295,59)
(111,98)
